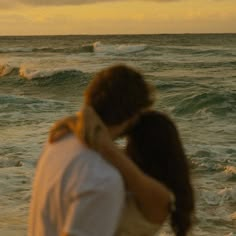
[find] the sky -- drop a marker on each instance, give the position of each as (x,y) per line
(63,17)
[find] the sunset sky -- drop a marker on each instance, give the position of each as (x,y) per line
(49,17)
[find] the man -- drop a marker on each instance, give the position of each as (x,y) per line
(75,191)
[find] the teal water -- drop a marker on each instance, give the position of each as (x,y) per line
(43,78)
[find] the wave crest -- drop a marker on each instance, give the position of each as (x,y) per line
(5,69)
(30,73)
(118,48)
(216,103)
(33,73)
(96,47)
(219,198)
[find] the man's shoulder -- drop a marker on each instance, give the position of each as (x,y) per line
(75,159)
(99,168)
(82,159)
(69,143)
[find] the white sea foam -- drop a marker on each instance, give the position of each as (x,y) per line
(5,69)
(118,48)
(231,234)
(221,197)
(230,170)
(32,73)
(233,216)
(16,49)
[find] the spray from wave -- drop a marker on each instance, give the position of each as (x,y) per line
(118,48)
(5,69)
(30,73)
(84,48)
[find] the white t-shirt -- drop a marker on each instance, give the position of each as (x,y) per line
(75,191)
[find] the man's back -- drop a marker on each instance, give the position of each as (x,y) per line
(75,191)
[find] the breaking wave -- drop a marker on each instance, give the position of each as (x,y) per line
(32,73)
(96,47)
(218,103)
(118,48)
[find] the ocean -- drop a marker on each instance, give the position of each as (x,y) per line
(43,78)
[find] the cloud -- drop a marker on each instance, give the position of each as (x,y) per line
(11,3)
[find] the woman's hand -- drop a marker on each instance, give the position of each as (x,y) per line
(62,128)
(91,129)
(86,125)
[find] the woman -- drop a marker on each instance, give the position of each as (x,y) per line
(156,157)
(154,145)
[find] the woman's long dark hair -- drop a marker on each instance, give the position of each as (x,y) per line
(155,146)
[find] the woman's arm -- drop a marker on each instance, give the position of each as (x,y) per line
(152,197)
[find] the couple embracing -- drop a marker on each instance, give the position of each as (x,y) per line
(87,186)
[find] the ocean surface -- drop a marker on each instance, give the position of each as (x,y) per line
(43,78)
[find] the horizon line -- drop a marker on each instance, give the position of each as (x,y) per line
(112,34)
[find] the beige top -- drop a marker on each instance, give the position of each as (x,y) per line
(133,223)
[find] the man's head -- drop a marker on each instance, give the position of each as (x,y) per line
(118,93)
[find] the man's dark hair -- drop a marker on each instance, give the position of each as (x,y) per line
(117,93)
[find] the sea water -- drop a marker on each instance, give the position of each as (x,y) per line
(43,78)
